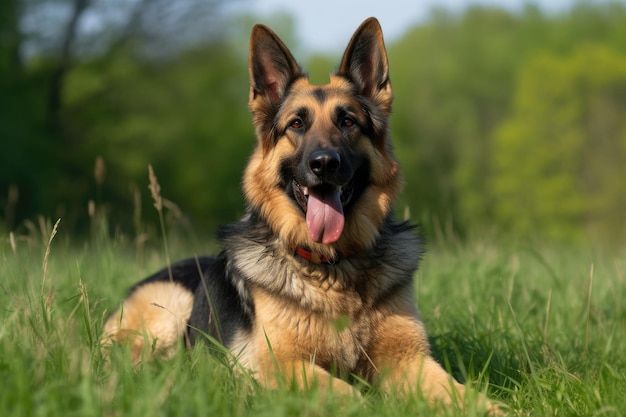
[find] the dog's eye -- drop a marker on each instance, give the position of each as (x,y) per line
(347,122)
(296,124)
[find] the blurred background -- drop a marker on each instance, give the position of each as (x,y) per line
(509,117)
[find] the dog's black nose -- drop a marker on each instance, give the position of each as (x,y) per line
(324,162)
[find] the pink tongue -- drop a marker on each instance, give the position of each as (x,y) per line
(324,215)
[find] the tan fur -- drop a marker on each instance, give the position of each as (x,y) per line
(156,313)
(313,324)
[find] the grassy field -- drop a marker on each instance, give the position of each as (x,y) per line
(540,328)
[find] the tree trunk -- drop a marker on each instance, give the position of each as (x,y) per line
(57,79)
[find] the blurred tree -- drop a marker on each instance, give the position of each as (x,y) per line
(22,120)
(560,158)
(455,78)
(188,118)
(494,112)
(61,65)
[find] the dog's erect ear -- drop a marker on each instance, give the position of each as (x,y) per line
(272,67)
(365,63)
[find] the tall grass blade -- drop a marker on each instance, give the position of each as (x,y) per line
(155,190)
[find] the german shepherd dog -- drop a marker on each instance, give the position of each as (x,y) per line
(314,284)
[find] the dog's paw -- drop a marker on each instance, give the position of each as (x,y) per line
(496,409)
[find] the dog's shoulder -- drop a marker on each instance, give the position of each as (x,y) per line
(255,257)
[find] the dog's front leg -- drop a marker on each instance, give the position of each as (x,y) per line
(422,375)
(304,375)
(400,356)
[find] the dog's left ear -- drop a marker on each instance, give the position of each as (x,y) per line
(365,63)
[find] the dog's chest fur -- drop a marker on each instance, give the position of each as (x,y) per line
(326,312)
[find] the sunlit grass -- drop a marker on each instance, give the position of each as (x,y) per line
(539,328)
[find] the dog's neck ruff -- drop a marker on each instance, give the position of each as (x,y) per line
(320,259)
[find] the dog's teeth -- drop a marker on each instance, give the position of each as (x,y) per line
(305,191)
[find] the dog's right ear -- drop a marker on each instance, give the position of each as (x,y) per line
(272,67)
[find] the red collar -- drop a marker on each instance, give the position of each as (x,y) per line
(320,259)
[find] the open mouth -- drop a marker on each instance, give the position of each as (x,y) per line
(323,206)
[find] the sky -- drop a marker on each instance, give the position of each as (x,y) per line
(326,25)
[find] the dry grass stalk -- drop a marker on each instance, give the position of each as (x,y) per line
(155,189)
(12,242)
(47,254)
(99,171)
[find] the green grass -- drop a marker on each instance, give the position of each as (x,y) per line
(539,328)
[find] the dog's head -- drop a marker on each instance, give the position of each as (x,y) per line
(323,175)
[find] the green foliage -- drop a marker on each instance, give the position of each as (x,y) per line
(561,154)
(504,122)
(459,81)
(453,78)
(188,118)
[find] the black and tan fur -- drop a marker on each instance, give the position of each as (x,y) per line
(292,295)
